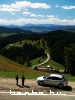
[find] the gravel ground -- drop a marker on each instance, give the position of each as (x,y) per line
(7,84)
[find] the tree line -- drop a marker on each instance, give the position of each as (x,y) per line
(22,54)
(18,37)
(62,48)
(61,44)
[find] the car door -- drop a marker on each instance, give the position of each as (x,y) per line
(48,81)
(52,81)
(55,81)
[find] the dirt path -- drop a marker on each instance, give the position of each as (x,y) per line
(7,84)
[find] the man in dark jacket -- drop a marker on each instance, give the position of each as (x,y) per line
(17,79)
(23,79)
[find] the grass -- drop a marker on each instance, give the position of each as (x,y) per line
(6,34)
(22,43)
(36,61)
(31,75)
(29,42)
(28,75)
(54,65)
(10,68)
(9,65)
(70,77)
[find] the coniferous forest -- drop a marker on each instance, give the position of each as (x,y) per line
(61,46)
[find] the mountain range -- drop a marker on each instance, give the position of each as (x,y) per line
(38,28)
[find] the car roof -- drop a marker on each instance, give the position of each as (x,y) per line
(56,75)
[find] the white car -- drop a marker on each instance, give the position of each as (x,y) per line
(53,79)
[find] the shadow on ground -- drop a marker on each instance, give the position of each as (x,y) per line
(23,86)
(65,88)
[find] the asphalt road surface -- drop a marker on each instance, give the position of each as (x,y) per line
(48,57)
(7,96)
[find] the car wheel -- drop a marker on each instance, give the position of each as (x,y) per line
(60,86)
(41,83)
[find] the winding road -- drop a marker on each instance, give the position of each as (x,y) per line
(48,57)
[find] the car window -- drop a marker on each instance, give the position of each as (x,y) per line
(49,77)
(45,77)
(64,78)
(56,78)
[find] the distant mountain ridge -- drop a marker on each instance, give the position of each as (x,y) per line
(4,29)
(39,28)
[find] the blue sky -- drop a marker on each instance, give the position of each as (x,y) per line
(21,12)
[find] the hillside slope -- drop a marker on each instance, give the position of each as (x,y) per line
(9,65)
(10,68)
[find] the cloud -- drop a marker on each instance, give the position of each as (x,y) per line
(56,5)
(68,7)
(27,4)
(32,14)
(50,16)
(27,13)
(53,20)
(40,15)
(8,8)
(37,15)
(18,5)
(13,13)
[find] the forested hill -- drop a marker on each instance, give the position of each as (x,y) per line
(13,30)
(61,44)
(62,48)
(41,28)
(57,41)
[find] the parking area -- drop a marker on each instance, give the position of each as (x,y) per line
(7,84)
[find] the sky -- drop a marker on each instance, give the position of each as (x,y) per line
(21,12)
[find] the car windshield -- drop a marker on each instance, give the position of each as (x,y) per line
(64,78)
(45,77)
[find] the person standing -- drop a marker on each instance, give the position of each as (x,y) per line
(23,79)
(17,79)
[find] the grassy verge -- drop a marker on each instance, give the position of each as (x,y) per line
(30,75)
(70,77)
(54,65)
(37,61)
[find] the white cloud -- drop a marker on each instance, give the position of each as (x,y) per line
(18,5)
(37,15)
(32,14)
(27,13)
(68,7)
(40,15)
(53,20)
(50,16)
(20,17)
(7,8)
(56,5)
(39,5)
(13,13)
